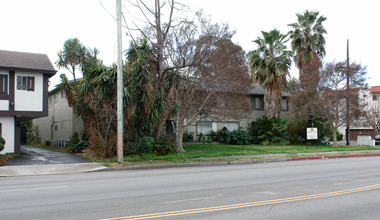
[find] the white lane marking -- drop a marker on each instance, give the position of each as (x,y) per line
(37,188)
(268,193)
(236,173)
(195,199)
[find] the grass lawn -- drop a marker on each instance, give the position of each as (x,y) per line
(192,152)
(219,150)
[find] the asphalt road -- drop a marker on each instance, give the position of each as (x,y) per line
(317,189)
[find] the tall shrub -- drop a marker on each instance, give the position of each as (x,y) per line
(270,131)
(2,144)
(297,130)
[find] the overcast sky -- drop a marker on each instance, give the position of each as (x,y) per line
(42,26)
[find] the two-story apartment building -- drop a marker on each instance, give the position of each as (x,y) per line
(24,80)
(255,102)
(369,98)
(61,121)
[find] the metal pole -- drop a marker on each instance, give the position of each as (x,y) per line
(348,98)
(119,86)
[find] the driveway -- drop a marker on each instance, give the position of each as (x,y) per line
(37,156)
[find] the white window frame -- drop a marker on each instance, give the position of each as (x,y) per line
(26,83)
(229,126)
(201,127)
(257,99)
(284,104)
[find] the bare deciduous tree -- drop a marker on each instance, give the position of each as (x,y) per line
(371,113)
(332,103)
(216,89)
(186,47)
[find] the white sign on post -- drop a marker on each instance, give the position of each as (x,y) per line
(312,133)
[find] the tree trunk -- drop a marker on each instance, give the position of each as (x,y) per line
(334,137)
(158,131)
(272,103)
(180,137)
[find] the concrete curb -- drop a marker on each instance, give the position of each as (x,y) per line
(221,163)
(198,164)
(29,170)
(334,156)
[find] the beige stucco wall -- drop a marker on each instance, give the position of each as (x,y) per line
(8,133)
(243,122)
(61,122)
(29,100)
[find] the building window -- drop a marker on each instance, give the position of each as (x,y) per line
(232,126)
(204,127)
(3,84)
(284,104)
(374,97)
(25,83)
(50,102)
(55,99)
(257,102)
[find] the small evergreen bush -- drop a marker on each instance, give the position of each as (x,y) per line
(212,136)
(2,144)
(146,145)
(339,136)
(239,137)
(79,147)
(223,135)
(165,145)
(187,137)
(201,137)
(74,139)
(47,143)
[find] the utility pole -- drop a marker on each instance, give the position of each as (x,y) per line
(348,99)
(119,86)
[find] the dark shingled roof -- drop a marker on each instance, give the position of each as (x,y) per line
(257,89)
(13,60)
(375,89)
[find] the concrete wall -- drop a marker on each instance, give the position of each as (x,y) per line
(243,122)
(61,122)
(77,124)
(8,133)
(4,105)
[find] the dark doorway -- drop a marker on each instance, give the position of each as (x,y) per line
(23,135)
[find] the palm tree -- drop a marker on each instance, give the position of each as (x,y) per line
(270,64)
(308,44)
(72,56)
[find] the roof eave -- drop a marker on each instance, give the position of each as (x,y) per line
(49,72)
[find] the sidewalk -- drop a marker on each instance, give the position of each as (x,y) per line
(31,170)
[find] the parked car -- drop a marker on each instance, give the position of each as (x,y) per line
(377,139)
